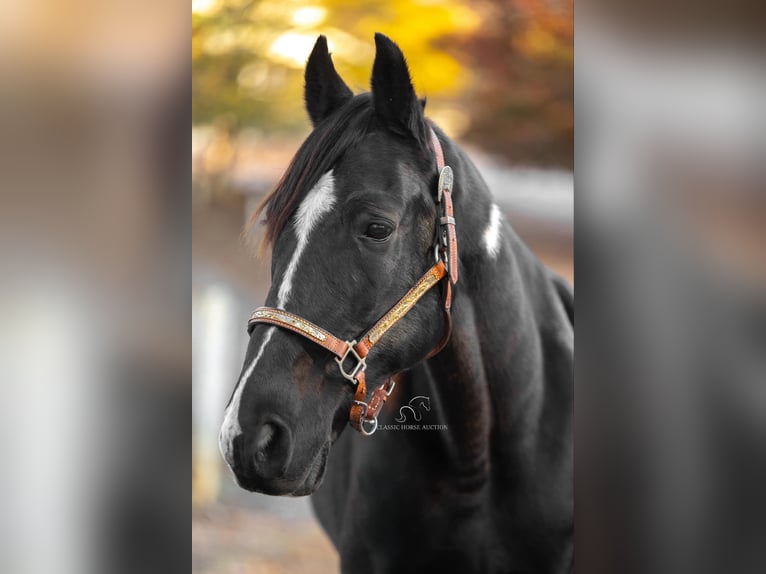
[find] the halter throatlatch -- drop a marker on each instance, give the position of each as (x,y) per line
(351,356)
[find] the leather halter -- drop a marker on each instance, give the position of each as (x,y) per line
(445,269)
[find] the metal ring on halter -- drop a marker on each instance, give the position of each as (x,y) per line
(374,423)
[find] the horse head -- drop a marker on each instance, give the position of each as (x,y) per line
(352,225)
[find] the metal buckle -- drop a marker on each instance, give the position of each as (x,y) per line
(363,419)
(364,406)
(361,365)
(443,246)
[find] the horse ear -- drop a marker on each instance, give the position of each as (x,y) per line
(395,100)
(325,91)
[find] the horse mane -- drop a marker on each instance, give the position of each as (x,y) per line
(320,151)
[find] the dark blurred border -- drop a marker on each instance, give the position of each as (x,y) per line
(95,248)
(671,355)
(95,227)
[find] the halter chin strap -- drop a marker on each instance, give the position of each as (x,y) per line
(351,355)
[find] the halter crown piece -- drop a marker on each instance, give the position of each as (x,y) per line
(351,355)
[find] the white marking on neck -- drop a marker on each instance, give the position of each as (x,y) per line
(492,234)
(317,202)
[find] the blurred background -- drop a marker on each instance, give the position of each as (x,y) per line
(498,76)
(95,297)
(671,266)
(96,225)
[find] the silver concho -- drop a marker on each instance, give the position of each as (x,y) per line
(445,182)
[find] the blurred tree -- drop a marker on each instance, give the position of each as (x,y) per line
(522,100)
(248,55)
(500,68)
(234,80)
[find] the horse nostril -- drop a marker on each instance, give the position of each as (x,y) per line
(266,435)
(272,448)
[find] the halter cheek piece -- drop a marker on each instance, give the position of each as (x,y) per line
(351,355)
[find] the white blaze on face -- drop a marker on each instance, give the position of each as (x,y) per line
(230,428)
(314,206)
(492,233)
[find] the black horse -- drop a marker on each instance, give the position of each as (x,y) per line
(352,225)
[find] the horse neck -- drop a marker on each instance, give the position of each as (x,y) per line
(494,356)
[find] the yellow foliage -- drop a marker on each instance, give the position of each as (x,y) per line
(493,70)
(283,32)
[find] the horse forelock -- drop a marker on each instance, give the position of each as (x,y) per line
(318,154)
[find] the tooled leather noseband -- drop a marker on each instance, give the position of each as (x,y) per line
(445,269)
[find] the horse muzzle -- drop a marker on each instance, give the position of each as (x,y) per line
(264,461)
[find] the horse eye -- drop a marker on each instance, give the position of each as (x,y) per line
(379,231)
